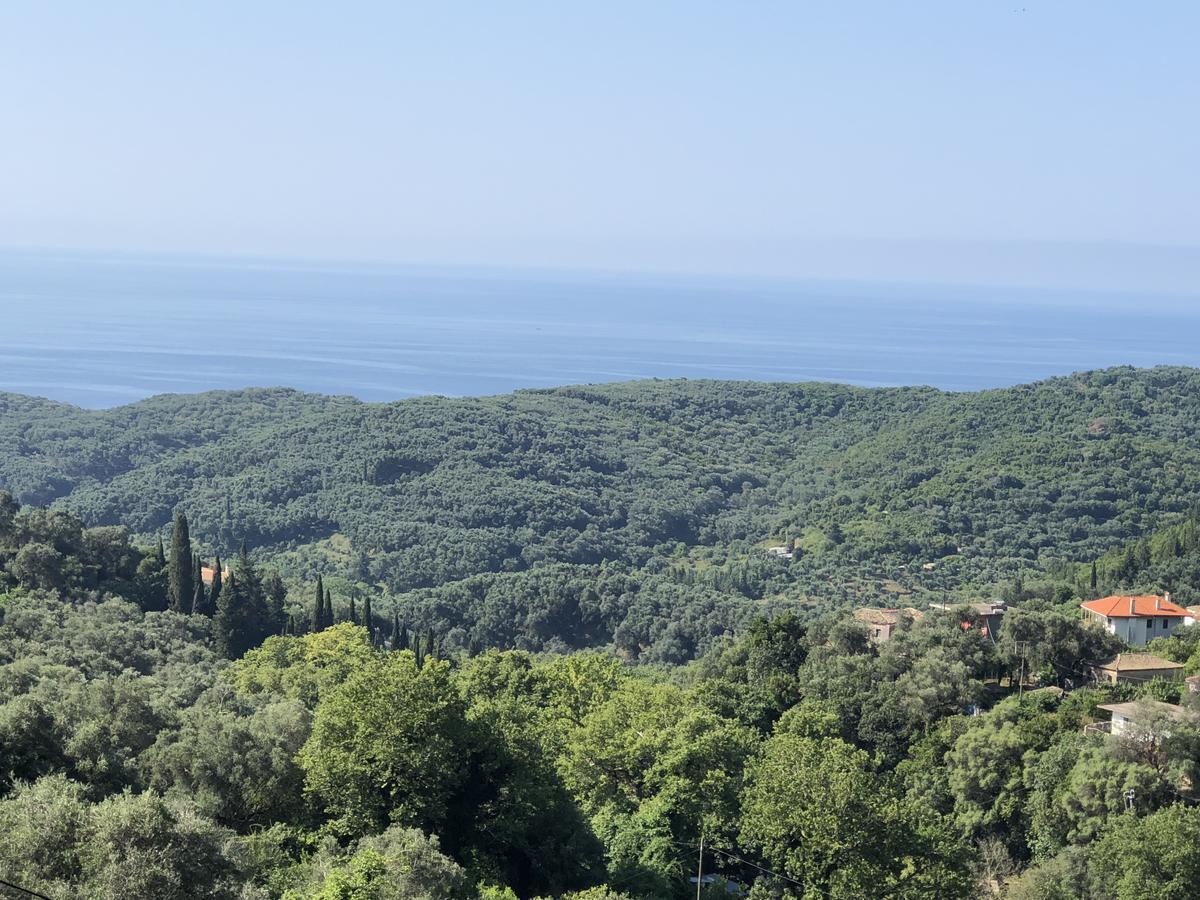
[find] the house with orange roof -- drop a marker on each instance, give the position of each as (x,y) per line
(1136,619)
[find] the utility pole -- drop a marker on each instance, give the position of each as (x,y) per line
(700,868)
(1024,646)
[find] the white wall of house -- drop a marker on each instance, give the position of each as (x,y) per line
(1137,631)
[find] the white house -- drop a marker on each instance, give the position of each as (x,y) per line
(1132,718)
(1136,620)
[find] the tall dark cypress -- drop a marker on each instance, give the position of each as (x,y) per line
(199,595)
(353,613)
(228,619)
(418,650)
(180,568)
(367,619)
(214,589)
(243,620)
(318,610)
(395,640)
(328,614)
(276,597)
(161,554)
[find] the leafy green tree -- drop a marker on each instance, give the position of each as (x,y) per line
(652,769)
(399,864)
(304,668)
(388,746)
(236,759)
(1148,858)
(30,744)
(128,845)
(815,811)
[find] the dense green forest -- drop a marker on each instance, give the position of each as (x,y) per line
(165,737)
(272,645)
(635,516)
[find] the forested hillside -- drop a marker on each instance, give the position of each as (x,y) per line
(635,514)
(152,747)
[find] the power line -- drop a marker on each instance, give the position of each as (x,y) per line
(746,862)
(23,890)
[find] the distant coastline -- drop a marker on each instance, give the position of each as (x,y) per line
(78,330)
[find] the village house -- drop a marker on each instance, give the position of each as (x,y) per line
(1136,620)
(1135,717)
(989,613)
(1136,668)
(882,622)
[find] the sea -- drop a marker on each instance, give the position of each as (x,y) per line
(104,330)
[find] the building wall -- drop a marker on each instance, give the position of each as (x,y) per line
(1138,631)
(1140,676)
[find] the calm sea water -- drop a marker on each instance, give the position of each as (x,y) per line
(104,331)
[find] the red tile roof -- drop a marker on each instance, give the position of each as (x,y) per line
(1131,607)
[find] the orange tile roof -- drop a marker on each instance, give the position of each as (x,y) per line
(1142,605)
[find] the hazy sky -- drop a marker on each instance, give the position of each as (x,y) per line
(731,136)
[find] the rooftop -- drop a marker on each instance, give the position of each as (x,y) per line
(875,616)
(1127,607)
(1136,708)
(1135,662)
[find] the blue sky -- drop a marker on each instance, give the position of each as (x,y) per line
(959,139)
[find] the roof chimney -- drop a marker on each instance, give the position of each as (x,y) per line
(1131,606)
(1167,596)
(1158,601)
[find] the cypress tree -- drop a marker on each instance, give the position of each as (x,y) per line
(243,619)
(353,613)
(227,621)
(181,570)
(161,554)
(214,590)
(276,599)
(368,619)
(1095,579)
(418,651)
(395,639)
(199,598)
(431,647)
(328,614)
(403,637)
(318,613)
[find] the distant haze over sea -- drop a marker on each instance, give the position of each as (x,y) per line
(100,331)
